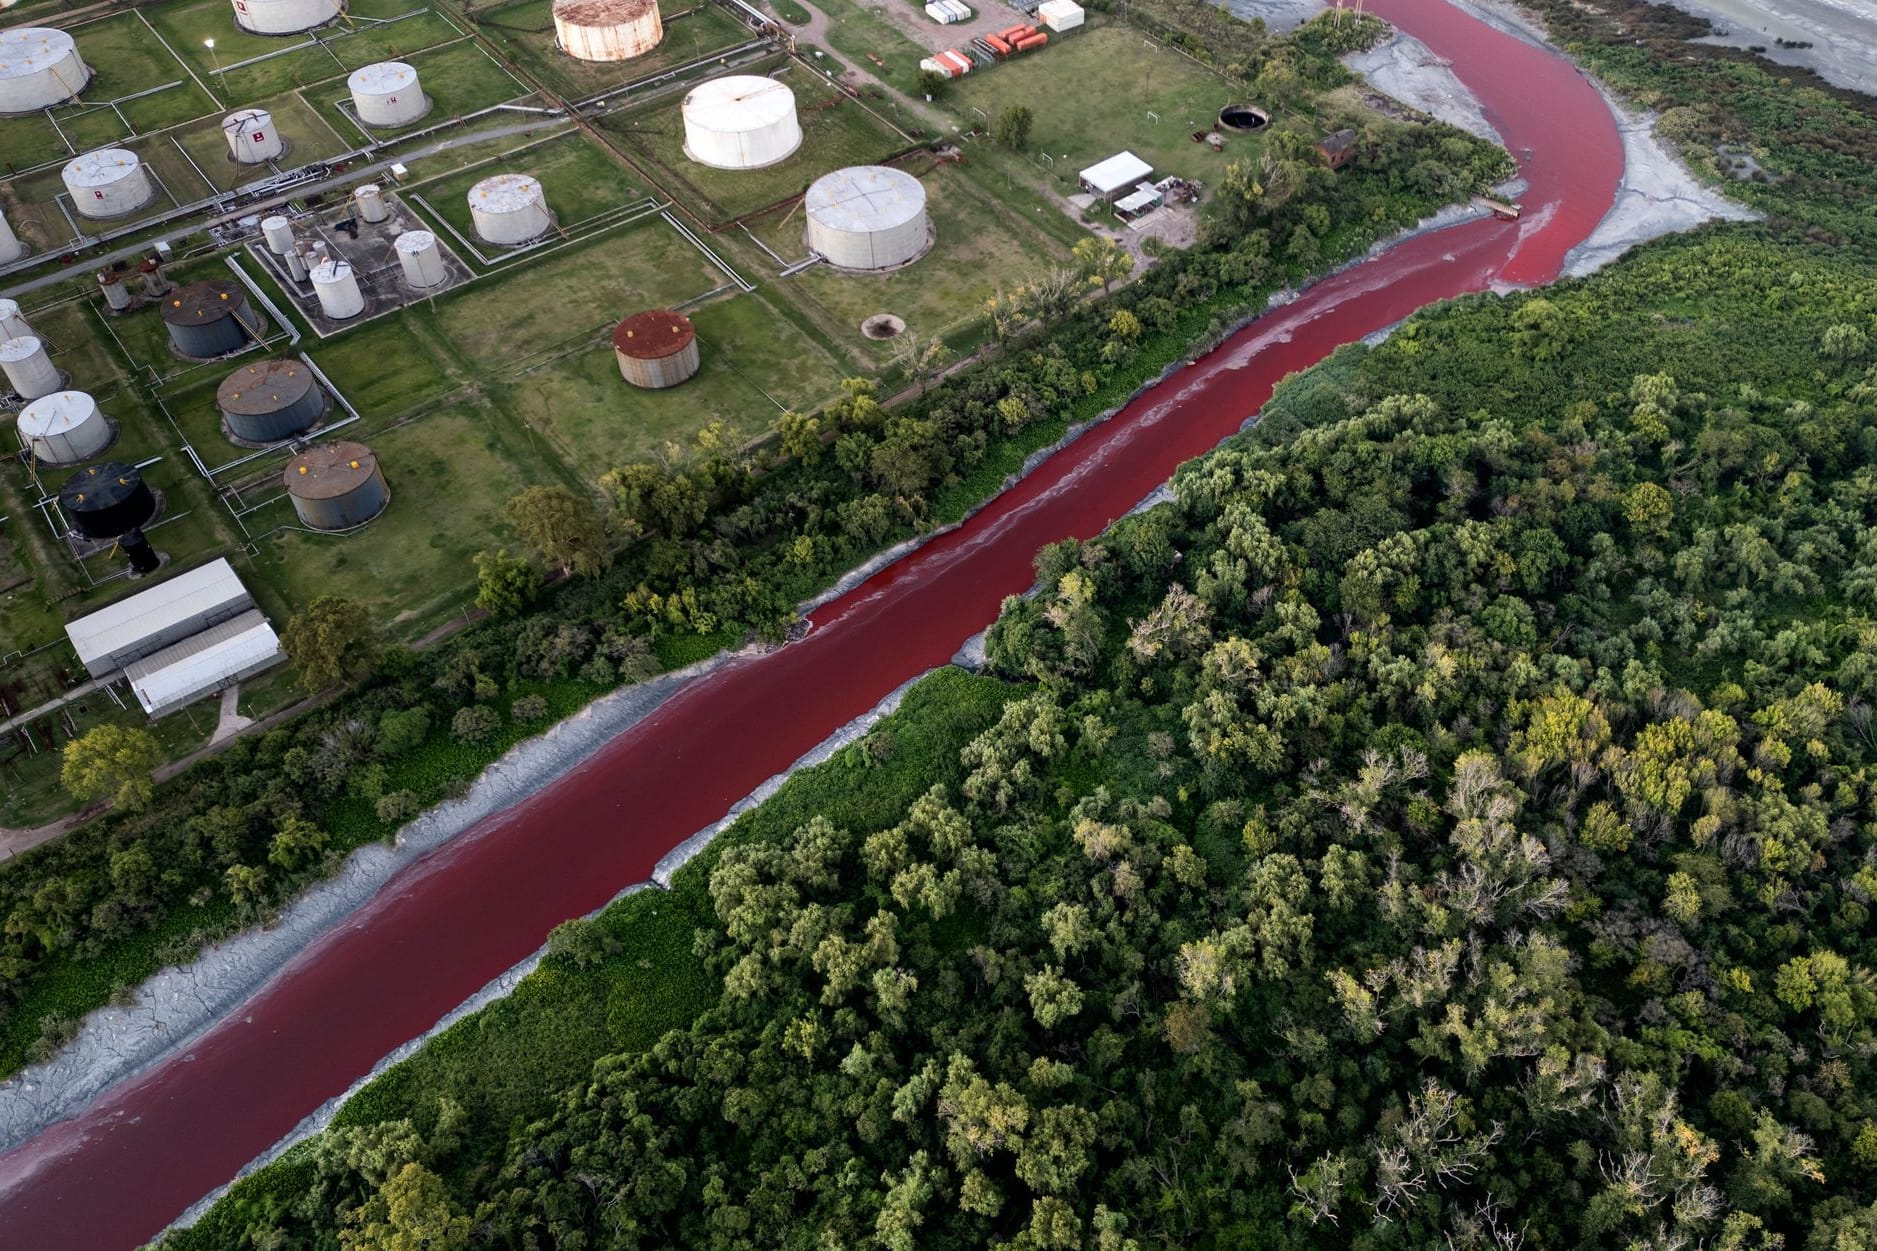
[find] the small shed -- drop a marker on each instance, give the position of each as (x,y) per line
(1060,15)
(1338,149)
(1119,172)
(1144,198)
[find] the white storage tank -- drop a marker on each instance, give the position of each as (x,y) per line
(253,139)
(10,246)
(64,428)
(284,17)
(108,183)
(607,30)
(39,67)
(337,288)
(387,93)
(278,232)
(371,203)
(740,122)
(29,370)
(509,209)
(13,323)
(867,217)
(422,258)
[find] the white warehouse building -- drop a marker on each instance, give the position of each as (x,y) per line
(204,663)
(740,122)
(169,612)
(868,217)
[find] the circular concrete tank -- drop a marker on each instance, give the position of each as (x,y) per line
(740,122)
(39,67)
(656,349)
(867,217)
(65,428)
(270,400)
(108,183)
(278,232)
(607,30)
(284,17)
(387,94)
(29,370)
(421,258)
(104,501)
(13,323)
(207,319)
(509,209)
(336,285)
(252,136)
(116,290)
(10,246)
(336,486)
(371,203)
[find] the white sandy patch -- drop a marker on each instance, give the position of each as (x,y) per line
(1408,70)
(1843,34)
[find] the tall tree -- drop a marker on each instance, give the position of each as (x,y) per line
(331,640)
(563,528)
(112,762)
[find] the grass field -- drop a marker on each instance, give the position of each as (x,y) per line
(836,132)
(457,78)
(579,179)
(861,31)
(525,31)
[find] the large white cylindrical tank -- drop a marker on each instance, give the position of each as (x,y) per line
(13,323)
(284,17)
(10,246)
(64,428)
(607,30)
(509,209)
(278,232)
(371,203)
(39,67)
(740,122)
(867,217)
(29,371)
(387,94)
(337,288)
(252,136)
(107,183)
(422,258)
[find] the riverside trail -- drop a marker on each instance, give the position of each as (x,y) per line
(146,1149)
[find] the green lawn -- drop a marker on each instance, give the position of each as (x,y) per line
(332,50)
(861,31)
(308,134)
(580,180)
(836,132)
(526,32)
(457,78)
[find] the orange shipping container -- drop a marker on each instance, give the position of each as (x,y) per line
(1032,41)
(997,45)
(1014,33)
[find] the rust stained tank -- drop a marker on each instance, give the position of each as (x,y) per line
(270,400)
(656,349)
(336,486)
(208,319)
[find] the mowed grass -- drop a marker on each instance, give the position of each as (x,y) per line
(753,363)
(579,179)
(337,48)
(308,135)
(1091,93)
(526,32)
(836,132)
(458,79)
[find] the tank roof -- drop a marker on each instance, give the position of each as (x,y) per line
(264,387)
(654,334)
(329,471)
(739,102)
(99,486)
(332,269)
(19,348)
(415,241)
(504,193)
(241,118)
(56,413)
(865,197)
(32,50)
(202,302)
(381,77)
(603,12)
(100,168)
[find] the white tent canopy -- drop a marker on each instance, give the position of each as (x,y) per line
(1123,169)
(204,663)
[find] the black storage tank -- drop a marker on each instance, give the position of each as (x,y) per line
(209,319)
(107,500)
(143,557)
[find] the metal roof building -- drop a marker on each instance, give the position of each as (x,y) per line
(204,663)
(149,621)
(1122,170)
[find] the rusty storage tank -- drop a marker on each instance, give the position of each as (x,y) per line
(607,30)
(270,400)
(65,428)
(656,349)
(336,486)
(208,319)
(104,501)
(28,368)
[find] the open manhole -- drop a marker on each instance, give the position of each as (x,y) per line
(1243,117)
(883,326)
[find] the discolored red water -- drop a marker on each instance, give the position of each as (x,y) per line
(147,1149)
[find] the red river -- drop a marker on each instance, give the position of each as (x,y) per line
(143,1151)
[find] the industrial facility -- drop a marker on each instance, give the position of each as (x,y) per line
(285,17)
(210,319)
(607,30)
(13,323)
(65,428)
(868,217)
(268,401)
(11,246)
(387,94)
(107,500)
(509,209)
(335,286)
(253,139)
(656,349)
(109,182)
(421,259)
(29,370)
(336,486)
(740,122)
(39,67)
